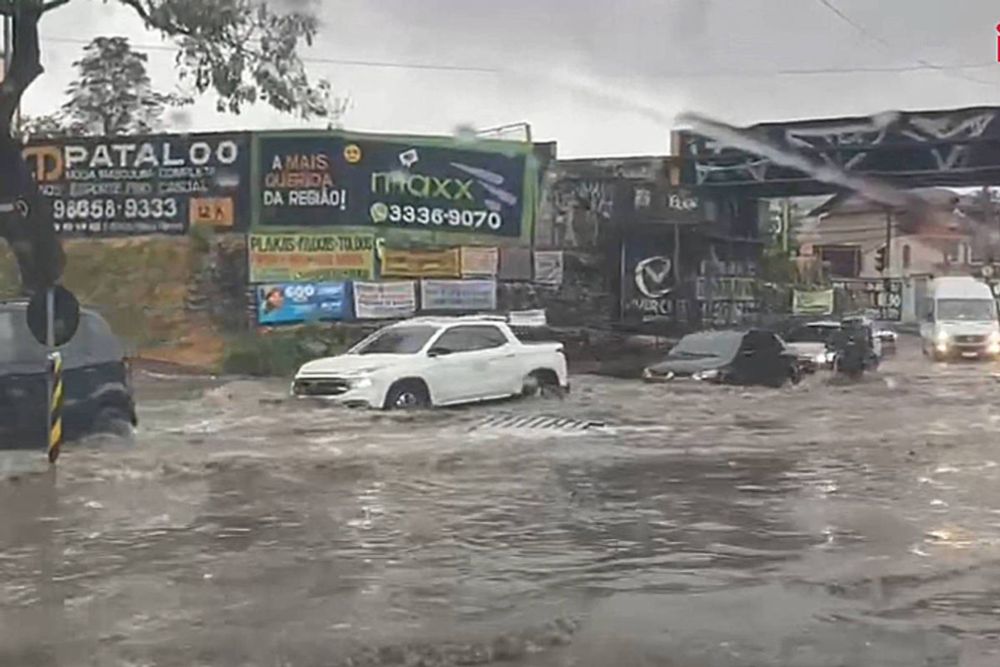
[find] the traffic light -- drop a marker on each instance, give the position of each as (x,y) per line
(880,259)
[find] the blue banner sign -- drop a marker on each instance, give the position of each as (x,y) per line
(289,303)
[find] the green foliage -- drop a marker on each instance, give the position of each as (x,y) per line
(776,266)
(245,51)
(281,352)
(201,238)
(112,93)
(49,126)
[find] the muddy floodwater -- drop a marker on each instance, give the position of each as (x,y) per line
(819,525)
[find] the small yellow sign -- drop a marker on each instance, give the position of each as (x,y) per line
(215,211)
(421,263)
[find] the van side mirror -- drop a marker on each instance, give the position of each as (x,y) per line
(438,352)
(930,317)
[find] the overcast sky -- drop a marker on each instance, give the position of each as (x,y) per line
(601,78)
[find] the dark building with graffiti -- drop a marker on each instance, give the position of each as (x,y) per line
(666,256)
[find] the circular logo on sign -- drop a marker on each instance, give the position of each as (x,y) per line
(352,153)
(379,212)
(653,276)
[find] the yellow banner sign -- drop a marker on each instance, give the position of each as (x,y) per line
(310,257)
(479,261)
(421,263)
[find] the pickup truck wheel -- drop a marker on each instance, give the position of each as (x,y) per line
(407,395)
(543,382)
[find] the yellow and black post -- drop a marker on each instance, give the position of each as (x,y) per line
(55,432)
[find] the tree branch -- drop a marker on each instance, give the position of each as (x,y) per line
(54,4)
(25,63)
(145,12)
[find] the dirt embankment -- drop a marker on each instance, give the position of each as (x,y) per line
(140,286)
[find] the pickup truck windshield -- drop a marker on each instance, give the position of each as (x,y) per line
(978,310)
(398,340)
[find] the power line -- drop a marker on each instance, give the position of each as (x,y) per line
(696,74)
(864,32)
(330,61)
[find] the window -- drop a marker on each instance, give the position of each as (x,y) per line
(397,340)
(93,342)
(471,338)
(906,256)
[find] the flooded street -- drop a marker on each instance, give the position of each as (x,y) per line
(823,524)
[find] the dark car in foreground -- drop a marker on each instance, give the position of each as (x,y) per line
(98,395)
(750,357)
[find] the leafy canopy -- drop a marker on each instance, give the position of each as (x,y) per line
(112,93)
(246,51)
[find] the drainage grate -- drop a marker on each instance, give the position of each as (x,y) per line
(541,423)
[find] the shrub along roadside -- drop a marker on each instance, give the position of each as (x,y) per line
(280,352)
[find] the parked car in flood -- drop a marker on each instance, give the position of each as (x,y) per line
(751,357)
(434,361)
(98,394)
(811,343)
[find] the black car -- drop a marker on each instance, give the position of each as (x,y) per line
(98,394)
(752,357)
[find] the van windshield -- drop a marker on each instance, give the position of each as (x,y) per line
(978,310)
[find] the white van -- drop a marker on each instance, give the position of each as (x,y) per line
(960,320)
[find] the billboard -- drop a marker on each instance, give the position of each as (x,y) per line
(302,302)
(420,185)
(156,184)
(292,257)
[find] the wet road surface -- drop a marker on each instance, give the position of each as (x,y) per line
(819,525)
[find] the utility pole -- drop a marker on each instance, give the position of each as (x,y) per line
(786,222)
(888,242)
(8,52)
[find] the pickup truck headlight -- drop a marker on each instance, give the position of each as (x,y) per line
(361,382)
(711,374)
(993,343)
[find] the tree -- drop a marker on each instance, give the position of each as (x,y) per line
(246,51)
(112,93)
(48,126)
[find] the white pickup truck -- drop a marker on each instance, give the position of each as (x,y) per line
(434,361)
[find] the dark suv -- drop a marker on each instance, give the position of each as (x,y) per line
(98,393)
